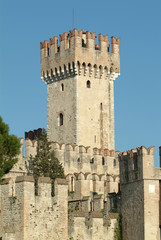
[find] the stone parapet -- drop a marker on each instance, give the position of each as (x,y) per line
(136,164)
(22,211)
(71,56)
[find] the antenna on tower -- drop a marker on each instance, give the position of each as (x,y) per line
(73,19)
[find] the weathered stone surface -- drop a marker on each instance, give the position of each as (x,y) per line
(140,195)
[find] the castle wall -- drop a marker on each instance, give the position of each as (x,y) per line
(76,159)
(132,210)
(26,216)
(151,209)
(140,195)
(92,228)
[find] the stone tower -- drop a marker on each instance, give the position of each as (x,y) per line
(79,76)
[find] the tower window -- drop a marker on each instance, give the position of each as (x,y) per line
(88,84)
(62,87)
(114,162)
(92,160)
(60,119)
(83,43)
(72,184)
(103,161)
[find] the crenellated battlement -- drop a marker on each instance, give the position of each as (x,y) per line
(80,158)
(22,211)
(136,164)
(70,56)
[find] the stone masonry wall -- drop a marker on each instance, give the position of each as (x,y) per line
(26,216)
(132,210)
(140,194)
(93,228)
(77,159)
(88,111)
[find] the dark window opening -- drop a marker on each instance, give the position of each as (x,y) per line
(92,160)
(62,87)
(83,43)
(72,184)
(60,119)
(91,206)
(114,162)
(88,84)
(103,161)
(135,159)
(126,168)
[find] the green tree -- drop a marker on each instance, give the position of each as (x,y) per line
(45,164)
(9,149)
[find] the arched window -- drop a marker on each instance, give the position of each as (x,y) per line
(88,84)
(62,87)
(60,119)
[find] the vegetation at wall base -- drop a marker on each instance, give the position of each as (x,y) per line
(45,164)
(118,232)
(9,149)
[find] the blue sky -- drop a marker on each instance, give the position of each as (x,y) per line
(23,96)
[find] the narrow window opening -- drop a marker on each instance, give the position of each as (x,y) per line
(72,184)
(83,43)
(101,106)
(60,119)
(88,84)
(62,87)
(103,161)
(114,162)
(135,161)
(92,160)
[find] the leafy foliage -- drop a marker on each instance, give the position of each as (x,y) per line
(9,149)
(45,164)
(118,235)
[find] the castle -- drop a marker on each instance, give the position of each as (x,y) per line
(80,124)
